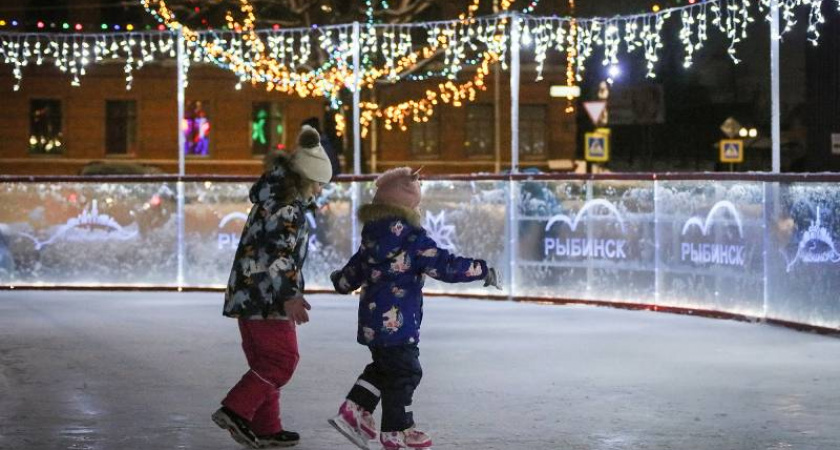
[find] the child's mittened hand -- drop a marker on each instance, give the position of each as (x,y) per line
(492,279)
(335,277)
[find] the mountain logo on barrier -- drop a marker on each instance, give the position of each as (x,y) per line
(705,226)
(440,231)
(586,247)
(574,222)
(713,252)
(228,240)
(89,226)
(816,247)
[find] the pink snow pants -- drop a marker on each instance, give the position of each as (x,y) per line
(272,352)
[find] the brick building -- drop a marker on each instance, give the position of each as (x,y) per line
(50,127)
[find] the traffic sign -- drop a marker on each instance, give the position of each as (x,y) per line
(730,127)
(597,146)
(596,111)
(732,151)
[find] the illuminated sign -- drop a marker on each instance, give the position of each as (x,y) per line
(713,252)
(585,247)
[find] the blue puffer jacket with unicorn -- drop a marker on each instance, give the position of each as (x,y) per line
(390,267)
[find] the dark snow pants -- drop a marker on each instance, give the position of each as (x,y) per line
(392,376)
(272,352)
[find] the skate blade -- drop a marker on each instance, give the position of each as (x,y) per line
(342,428)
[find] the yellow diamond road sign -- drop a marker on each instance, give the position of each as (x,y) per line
(730,127)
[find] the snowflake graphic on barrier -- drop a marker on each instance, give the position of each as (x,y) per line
(439,230)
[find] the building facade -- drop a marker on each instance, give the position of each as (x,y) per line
(51,127)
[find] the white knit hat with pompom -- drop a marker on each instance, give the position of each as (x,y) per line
(310,160)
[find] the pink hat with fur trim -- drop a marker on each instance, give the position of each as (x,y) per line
(399,187)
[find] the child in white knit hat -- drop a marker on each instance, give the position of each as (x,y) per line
(265,292)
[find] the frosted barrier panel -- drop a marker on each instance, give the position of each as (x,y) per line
(586,240)
(216,213)
(87,234)
(467,218)
(711,245)
(804,253)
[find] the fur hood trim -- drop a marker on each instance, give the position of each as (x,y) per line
(373,212)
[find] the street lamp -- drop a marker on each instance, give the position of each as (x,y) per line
(613,72)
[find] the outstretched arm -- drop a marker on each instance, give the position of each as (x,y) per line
(351,276)
(442,265)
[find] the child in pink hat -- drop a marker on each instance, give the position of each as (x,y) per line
(390,267)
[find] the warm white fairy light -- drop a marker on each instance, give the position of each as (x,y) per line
(74,53)
(317,61)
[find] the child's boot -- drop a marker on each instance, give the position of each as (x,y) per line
(282,439)
(237,426)
(355,424)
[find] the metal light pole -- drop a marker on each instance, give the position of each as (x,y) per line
(357,133)
(513,191)
(775,86)
(179,214)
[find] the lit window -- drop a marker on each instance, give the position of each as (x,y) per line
(196,128)
(267,127)
(532,131)
(481,130)
(45,134)
(424,138)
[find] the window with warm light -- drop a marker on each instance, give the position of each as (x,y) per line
(45,127)
(480,130)
(532,131)
(425,140)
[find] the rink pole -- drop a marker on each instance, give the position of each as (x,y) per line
(357,133)
(179,214)
(357,82)
(514,94)
(775,88)
(513,191)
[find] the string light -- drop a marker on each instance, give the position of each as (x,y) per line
(285,60)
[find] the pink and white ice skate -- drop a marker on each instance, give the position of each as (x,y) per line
(355,424)
(410,438)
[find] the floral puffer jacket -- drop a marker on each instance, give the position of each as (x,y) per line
(268,266)
(390,267)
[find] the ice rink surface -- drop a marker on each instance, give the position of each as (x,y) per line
(139,371)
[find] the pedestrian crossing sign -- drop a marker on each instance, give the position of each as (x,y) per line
(732,151)
(597,147)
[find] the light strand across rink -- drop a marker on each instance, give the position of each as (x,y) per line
(765,247)
(144,370)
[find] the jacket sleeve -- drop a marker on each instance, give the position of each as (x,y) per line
(283,224)
(351,276)
(442,265)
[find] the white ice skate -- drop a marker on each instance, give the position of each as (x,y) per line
(355,424)
(411,438)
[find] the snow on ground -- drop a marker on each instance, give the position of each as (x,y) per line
(132,371)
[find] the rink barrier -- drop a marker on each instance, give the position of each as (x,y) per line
(828,177)
(725,245)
